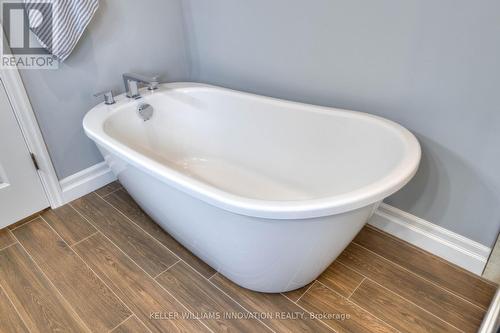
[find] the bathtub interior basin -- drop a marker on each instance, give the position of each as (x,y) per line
(266,156)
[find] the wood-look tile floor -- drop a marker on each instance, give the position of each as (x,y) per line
(100,264)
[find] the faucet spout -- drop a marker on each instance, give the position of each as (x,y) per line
(132,82)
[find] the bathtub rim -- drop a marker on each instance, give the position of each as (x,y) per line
(304,209)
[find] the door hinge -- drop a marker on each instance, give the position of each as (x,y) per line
(33,158)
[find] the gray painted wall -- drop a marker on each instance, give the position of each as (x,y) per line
(432,66)
(125,35)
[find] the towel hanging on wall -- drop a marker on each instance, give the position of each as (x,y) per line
(59,24)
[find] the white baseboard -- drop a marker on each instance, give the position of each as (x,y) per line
(86,181)
(444,243)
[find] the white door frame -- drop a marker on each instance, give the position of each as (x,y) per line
(23,111)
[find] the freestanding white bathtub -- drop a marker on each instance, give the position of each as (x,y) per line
(266,191)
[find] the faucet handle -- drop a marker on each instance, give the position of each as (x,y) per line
(154,83)
(108,96)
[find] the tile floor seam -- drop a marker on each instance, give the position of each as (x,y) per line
(114,328)
(15,308)
(352,293)
(71,308)
(308,288)
(310,312)
(211,276)
(160,243)
(422,278)
(76,243)
(24,223)
(390,291)
(223,292)
(135,263)
(108,194)
(424,252)
(360,307)
(92,270)
(163,245)
(10,245)
(138,226)
(175,263)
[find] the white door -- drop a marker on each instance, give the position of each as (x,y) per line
(21,192)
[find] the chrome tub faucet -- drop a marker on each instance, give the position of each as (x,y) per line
(132,82)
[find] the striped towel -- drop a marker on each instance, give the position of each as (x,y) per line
(66,21)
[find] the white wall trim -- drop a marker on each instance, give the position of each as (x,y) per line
(86,181)
(32,134)
(437,240)
(58,192)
